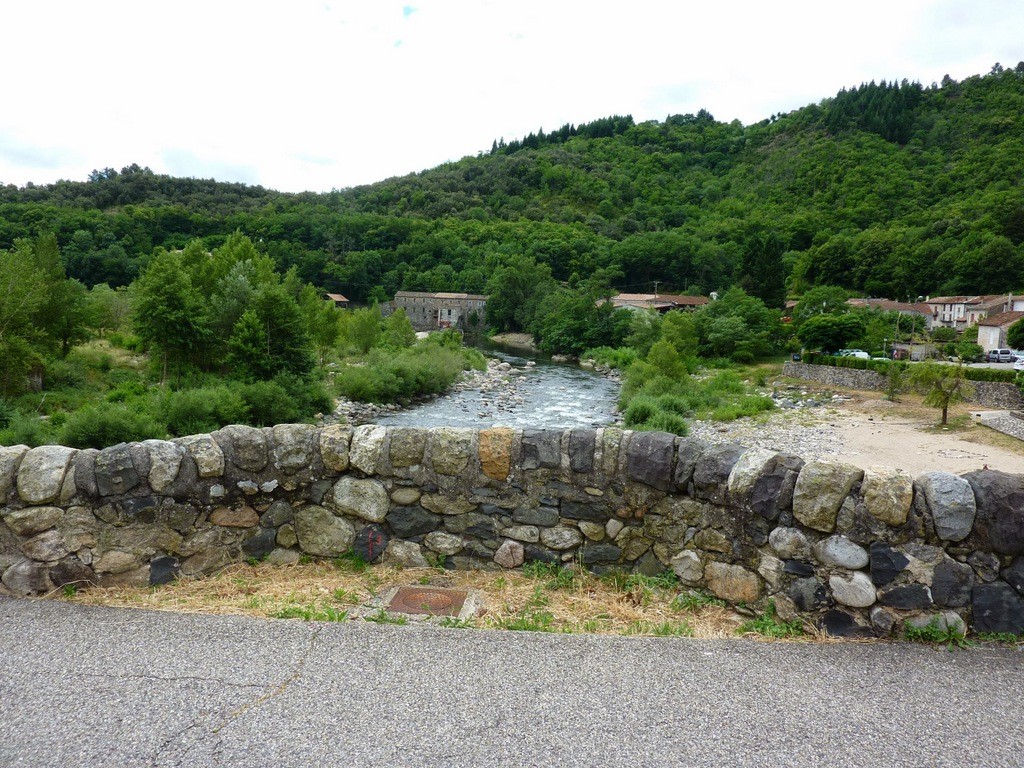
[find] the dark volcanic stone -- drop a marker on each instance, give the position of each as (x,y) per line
(581,449)
(1014,575)
(601,552)
(998,608)
(808,594)
(576,511)
(163,570)
(798,568)
(279,513)
(711,475)
(541,448)
(473,524)
(142,509)
(542,554)
(407,522)
(649,565)
(773,490)
(260,544)
(545,516)
(690,450)
(115,471)
(952,584)
(370,542)
(71,570)
(649,459)
(841,624)
(985,565)
(999,523)
(909,597)
(886,563)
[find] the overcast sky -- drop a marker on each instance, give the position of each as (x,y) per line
(319,95)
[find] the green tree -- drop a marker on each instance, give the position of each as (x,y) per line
(22,292)
(830,332)
(322,322)
(820,300)
(364,328)
(398,331)
(679,330)
(249,349)
(515,289)
(763,270)
(1015,335)
(942,385)
(169,312)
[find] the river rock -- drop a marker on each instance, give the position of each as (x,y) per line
(286,536)
(450,450)
(322,533)
(745,473)
(841,552)
(999,523)
(649,458)
(560,537)
(541,516)
(820,490)
(593,531)
(528,533)
(407,446)
(403,497)
(600,552)
(771,569)
(367,447)
(363,498)
(294,446)
(473,524)
(334,443)
(732,582)
(32,520)
(688,567)
(997,608)
(495,451)
(447,505)
(854,590)
(241,517)
(258,545)
(41,473)
(951,502)
(248,446)
(888,494)
(886,563)
(206,452)
(510,554)
(406,554)
(277,514)
(48,546)
(443,543)
(789,543)
(26,578)
(10,458)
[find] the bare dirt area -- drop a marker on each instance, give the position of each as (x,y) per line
(865,429)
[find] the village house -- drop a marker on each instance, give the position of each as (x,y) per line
(914,309)
(339,301)
(992,329)
(427,311)
(959,312)
(659,302)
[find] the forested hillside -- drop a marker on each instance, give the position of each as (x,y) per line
(888,189)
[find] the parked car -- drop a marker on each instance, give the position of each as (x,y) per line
(1000,356)
(1019,365)
(858,353)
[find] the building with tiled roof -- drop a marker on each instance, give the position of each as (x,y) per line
(992,329)
(439,310)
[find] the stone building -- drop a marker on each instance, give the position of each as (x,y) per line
(439,310)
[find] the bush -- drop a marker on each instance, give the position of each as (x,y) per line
(641,409)
(65,374)
(107,424)
(25,429)
(268,403)
(426,369)
(191,411)
(613,357)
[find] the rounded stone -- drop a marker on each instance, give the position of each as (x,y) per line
(854,590)
(363,498)
(561,537)
(443,543)
(322,533)
(839,551)
(32,520)
(789,543)
(41,473)
(404,497)
(888,494)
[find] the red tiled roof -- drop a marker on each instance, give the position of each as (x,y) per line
(1003,318)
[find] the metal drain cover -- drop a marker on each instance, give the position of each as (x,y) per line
(432,601)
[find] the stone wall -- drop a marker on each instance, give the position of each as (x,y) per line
(992,394)
(856,552)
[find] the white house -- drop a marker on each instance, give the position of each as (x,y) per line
(992,329)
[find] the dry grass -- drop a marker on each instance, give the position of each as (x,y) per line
(542,599)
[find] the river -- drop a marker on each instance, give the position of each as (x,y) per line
(540,394)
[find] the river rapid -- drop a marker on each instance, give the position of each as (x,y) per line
(519,390)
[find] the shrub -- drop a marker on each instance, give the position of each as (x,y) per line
(640,410)
(268,403)
(191,411)
(107,424)
(614,357)
(25,429)
(64,374)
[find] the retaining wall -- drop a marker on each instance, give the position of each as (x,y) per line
(857,552)
(992,394)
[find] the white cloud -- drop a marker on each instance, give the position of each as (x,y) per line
(308,95)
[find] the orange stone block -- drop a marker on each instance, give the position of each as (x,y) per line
(496,452)
(243,517)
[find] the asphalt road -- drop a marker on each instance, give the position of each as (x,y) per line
(98,687)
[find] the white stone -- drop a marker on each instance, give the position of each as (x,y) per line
(41,473)
(164,461)
(854,590)
(208,456)
(363,498)
(841,552)
(367,446)
(747,469)
(688,567)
